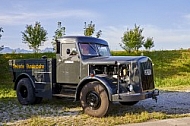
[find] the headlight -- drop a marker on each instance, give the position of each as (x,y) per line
(130,87)
(10,62)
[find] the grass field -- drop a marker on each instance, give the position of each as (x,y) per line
(171,70)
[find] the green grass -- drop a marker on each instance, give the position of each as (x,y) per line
(171,70)
(85,120)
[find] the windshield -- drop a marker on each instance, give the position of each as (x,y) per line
(103,50)
(94,49)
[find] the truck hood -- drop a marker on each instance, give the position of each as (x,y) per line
(114,59)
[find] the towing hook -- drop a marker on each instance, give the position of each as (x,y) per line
(155,98)
(154,94)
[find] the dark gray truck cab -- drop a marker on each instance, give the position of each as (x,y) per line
(85,70)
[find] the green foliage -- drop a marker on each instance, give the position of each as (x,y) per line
(60,32)
(149,43)
(90,29)
(132,39)
(99,33)
(34,36)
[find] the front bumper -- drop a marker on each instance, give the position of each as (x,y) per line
(129,97)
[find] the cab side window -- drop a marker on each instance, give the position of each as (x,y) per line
(68,50)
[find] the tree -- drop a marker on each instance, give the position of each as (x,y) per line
(149,43)
(1,31)
(132,39)
(90,29)
(60,32)
(34,36)
(1,47)
(99,33)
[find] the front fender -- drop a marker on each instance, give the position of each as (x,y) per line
(103,79)
(23,75)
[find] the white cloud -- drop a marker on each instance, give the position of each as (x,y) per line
(11,18)
(167,35)
(163,38)
(46,44)
(187,19)
(187,16)
(113,36)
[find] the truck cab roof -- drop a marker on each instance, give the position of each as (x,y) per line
(82,39)
(85,46)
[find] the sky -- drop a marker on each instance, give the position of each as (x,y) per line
(166,21)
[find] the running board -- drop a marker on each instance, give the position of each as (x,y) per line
(64,95)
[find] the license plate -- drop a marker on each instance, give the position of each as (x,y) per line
(147,72)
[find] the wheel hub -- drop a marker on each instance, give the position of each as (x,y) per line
(23,92)
(93,100)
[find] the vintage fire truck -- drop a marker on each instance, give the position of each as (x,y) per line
(84,70)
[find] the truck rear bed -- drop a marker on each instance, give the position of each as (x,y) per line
(40,71)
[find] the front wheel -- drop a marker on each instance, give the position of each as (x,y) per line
(94,99)
(25,92)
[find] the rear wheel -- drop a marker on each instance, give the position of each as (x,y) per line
(94,99)
(129,103)
(25,92)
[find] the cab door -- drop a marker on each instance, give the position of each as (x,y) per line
(68,64)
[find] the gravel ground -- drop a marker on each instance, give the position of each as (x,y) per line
(12,111)
(168,102)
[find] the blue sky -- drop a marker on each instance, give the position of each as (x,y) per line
(167,21)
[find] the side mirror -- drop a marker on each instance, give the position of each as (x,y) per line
(68,51)
(74,51)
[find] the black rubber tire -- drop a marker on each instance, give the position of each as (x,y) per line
(129,103)
(25,92)
(94,99)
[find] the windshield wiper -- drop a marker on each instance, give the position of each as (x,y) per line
(91,46)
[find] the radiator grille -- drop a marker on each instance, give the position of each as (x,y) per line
(147,75)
